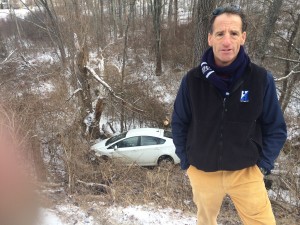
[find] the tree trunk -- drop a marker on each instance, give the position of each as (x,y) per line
(156,13)
(114,19)
(56,36)
(204,9)
(120,17)
(268,30)
(176,15)
(288,85)
(170,12)
(129,18)
(82,77)
(102,32)
(95,129)
(97,10)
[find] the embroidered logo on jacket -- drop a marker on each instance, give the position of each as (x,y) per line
(245,96)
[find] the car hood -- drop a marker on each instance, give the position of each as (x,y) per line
(99,146)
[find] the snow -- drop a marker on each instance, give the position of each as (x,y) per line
(49,217)
(131,215)
(285,196)
(43,89)
(149,215)
(20,13)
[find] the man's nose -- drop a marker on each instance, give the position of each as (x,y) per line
(226,39)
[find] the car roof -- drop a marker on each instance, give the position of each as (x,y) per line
(156,132)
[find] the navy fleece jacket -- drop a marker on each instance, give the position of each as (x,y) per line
(273,126)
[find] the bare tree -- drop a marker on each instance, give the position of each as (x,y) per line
(156,8)
(288,84)
(170,12)
(54,29)
(129,20)
(97,9)
(120,17)
(269,27)
(203,10)
(113,18)
(176,14)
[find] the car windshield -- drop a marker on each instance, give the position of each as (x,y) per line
(115,138)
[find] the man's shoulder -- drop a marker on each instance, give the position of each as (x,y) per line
(260,73)
(194,72)
(256,69)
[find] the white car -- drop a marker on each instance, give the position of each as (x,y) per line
(143,146)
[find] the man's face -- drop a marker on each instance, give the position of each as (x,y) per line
(226,38)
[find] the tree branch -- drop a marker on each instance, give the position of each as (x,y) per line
(88,184)
(94,74)
(287,76)
(281,58)
(7,58)
(77,90)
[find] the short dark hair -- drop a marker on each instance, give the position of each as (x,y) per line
(229,9)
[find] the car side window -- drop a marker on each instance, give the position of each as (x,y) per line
(128,142)
(148,140)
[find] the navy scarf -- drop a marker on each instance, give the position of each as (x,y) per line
(223,78)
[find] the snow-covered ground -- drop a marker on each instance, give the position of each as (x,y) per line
(70,214)
(131,215)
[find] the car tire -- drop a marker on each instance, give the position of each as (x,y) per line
(165,161)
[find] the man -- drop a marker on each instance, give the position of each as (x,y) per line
(227,125)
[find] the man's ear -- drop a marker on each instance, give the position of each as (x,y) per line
(209,39)
(244,35)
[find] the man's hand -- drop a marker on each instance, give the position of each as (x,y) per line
(267,180)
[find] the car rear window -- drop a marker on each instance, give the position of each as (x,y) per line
(168,134)
(149,140)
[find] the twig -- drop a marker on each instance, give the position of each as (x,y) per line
(6,59)
(285,208)
(89,184)
(76,91)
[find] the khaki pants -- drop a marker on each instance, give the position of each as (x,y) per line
(245,187)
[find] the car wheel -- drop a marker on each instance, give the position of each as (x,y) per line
(165,161)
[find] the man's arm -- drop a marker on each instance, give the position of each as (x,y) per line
(273,126)
(180,122)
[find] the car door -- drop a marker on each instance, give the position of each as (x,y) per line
(150,150)
(126,149)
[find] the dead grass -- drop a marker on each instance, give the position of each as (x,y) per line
(112,182)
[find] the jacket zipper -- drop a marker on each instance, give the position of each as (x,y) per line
(221,135)
(221,144)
